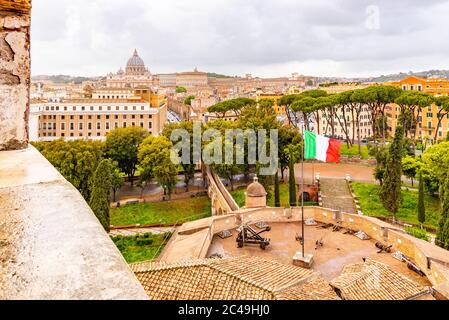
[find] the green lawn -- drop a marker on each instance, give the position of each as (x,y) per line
(239,197)
(368,195)
(141,248)
(167,212)
(354,151)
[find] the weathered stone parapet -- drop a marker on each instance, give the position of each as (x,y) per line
(14,73)
(51,244)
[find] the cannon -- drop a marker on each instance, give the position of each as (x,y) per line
(247,235)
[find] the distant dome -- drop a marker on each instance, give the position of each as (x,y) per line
(255,189)
(135,61)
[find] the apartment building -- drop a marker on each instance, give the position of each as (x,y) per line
(428,117)
(93,118)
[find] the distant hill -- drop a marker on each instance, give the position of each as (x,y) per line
(402,75)
(217,75)
(63,79)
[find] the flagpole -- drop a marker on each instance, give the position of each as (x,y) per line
(302,191)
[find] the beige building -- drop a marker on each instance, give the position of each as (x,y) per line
(93,118)
(325,127)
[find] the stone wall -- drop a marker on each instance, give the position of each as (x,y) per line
(14,73)
(432,260)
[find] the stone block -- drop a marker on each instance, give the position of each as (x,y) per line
(305,261)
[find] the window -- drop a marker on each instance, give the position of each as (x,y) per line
(71,117)
(124,124)
(80,126)
(100,108)
(71,125)
(44,126)
(133,116)
(107,125)
(133,124)
(81,117)
(124,117)
(98,134)
(89,126)
(150,125)
(404,87)
(150,116)
(98,117)
(91,108)
(89,117)
(62,125)
(117,108)
(141,116)
(412,87)
(62,117)
(141,124)
(98,125)
(63,134)
(107,117)
(83,108)
(116,117)
(115,125)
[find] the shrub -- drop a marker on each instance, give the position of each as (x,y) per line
(418,233)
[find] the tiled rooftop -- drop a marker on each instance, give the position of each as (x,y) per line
(372,280)
(231,279)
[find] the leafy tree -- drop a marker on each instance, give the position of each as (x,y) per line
(188,100)
(76,160)
(437,159)
(421,206)
(443,111)
(288,136)
(101,192)
(277,196)
(442,238)
(292,184)
(122,146)
(154,158)
(381,154)
(410,167)
(181,90)
(295,153)
(188,169)
(412,102)
(390,193)
(235,105)
(116,180)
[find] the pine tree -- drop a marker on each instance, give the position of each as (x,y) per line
(292,184)
(101,192)
(277,197)
(421,207)
(390,193)
(442,238)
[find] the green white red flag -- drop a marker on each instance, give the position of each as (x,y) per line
(321,148)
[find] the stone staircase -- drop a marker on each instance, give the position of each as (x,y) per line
(335,195)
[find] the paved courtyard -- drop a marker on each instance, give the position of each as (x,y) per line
(339,249)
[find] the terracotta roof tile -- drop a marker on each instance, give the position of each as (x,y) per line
(373,280)
(242,278)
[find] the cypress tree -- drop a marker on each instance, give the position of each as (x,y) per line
(292,184)
(421,207)
(101,192)
(390,192)
(277,197)
(442,238)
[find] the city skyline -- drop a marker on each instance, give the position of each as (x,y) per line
(93,38)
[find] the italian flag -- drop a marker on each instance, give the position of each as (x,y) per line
(321,148)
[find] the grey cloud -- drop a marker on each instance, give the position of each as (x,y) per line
(178,35)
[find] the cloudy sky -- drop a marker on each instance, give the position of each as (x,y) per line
(234,37)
